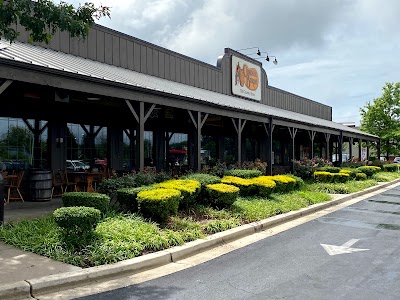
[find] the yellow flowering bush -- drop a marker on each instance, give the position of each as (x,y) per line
(246,186)
(188,187)
(264,184)
(222,195)
(159,203)
(284,183)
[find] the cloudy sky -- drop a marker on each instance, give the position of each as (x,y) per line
(338,52)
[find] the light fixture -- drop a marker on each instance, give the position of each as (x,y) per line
(258,50)
(93,98)
(267,58)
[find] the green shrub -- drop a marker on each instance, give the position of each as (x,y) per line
(340,177)
(189,189)
(77,218)
(145,177)
(329,169)
(161,176)
(264,184)
(96,200)
(361,176)
(111,185)
(246,186)
(204,179)
(159,204)
(243,173)
(321,176)
(299,182)
(369,170)
(284,183)
(127,197)
(352,172)
(222,195)
(390,167)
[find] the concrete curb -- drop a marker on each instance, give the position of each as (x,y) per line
(15,291)
(32,288)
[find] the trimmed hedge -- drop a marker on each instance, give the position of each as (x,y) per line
(264,184)
(284,183)
(222,195)
(159,204)
(77,219)
(369,170)
(127,197)
(327,177)
(328,169)
(204,180)
(96,200)
(390,167)
(243,173)
(189,188)
(246,186)
(361,176)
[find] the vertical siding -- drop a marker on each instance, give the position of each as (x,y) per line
(123,58)
(129,55)
(74,46)
(202,70)
(168,66)
(161,64)
(100,46)
(108,57)
(136,57)
(173,73)
(284,100)
(91,44)
(196,75)
(213,80)
(156,68)
(116,61)
(143,58)
(64,42)
(191,74)
(149,61)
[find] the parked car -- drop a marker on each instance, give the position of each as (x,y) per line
(77,165)
(396,160)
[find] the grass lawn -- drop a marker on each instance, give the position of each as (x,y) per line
(119,236)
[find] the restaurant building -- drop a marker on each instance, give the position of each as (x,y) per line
(130,103)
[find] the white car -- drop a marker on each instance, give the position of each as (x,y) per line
(396,160)
(77,165)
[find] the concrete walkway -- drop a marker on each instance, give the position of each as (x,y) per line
(24,274)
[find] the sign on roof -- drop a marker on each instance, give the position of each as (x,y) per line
(246,79)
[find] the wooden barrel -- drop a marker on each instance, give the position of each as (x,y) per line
(41,185)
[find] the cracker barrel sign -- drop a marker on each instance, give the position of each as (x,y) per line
(246,78)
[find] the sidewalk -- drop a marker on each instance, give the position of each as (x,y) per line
(24,274)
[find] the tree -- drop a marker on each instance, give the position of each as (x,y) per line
(42,18)
(382,118)
(16,143)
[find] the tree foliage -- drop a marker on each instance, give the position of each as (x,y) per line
(42,18)
(382,118)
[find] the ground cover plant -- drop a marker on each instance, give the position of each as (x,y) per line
(119,235)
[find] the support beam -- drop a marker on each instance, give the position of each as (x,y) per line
(5,85)
(269,129)
(239,128)
(311,134)
(327,138)
(367,150)
(198,123)
(292,132)
(359,149)
(340,147)
(351,148)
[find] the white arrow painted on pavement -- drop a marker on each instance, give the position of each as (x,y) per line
(345,248)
